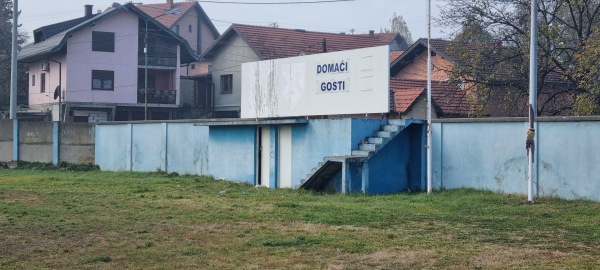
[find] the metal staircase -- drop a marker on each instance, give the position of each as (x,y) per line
(321,174)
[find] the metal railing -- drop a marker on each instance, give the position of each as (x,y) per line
(157,96)
(160,60)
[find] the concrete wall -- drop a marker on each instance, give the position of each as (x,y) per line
(232,153)
(397,166)
(6,140)
(320,138)
(491,155)
(36,142)
(77,143)
(170,147)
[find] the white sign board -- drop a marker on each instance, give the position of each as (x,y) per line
(345,82)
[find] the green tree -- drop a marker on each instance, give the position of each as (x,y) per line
(6,15)
(502,57)
(398,25)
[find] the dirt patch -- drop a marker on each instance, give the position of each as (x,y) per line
(21,197)
(498,257)
(388,259)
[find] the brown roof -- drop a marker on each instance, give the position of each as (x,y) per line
(394,55)
(158,11)
(403,99)
(272,43)
(448,99)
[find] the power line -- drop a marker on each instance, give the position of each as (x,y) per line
(275,3)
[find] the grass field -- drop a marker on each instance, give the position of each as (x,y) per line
(106,220)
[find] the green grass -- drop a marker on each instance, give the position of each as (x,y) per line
(105,220)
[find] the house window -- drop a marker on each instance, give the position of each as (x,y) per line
(33,80)
(103,41)
(226,84)
(103,80)
(43,83)
(175,28)
(190,28)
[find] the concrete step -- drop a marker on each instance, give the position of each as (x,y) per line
(361,153)
(382,134)
(376,140)
(367,146)
(391,128)
(397,122)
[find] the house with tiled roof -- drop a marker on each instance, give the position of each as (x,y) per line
(190,21)
(247,43)
(408,83)
(499,98)
(96,70)
(187,19)
(46,32)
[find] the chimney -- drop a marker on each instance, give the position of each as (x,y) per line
(88,10)
(371,33)
(170,4)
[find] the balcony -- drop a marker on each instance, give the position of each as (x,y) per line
(168,60)
(158,96)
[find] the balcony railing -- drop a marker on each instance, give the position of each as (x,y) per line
(158,96)
(160,60)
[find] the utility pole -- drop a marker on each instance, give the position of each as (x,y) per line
(13,61)
(429,109)
(13,81)
(530,143)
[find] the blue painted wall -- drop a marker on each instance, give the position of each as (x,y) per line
(311,142)
(187,149)
(232,152)
(492,156)
(113,147)
(171,147)
(362,128)
(148,148)
(388,168)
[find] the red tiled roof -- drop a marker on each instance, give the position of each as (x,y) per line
(394,55)
(158,11)
(448,99)
(405,98)
(272,43)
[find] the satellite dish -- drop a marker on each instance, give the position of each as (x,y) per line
(57,92)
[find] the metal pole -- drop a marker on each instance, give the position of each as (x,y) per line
(429,109)
(59,91)
(146,73)
(13,61)
(532,92)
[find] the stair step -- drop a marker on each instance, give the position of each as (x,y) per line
(391,128)
(382,134)
(367,146)
(361,153)
(397,122)
(376,140)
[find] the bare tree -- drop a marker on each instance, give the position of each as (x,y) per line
(398,25)
(493,48)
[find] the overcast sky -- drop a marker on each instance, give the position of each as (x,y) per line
(360,15)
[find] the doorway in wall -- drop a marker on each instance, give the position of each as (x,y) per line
(263,155)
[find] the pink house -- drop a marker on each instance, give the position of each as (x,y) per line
(97,69)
